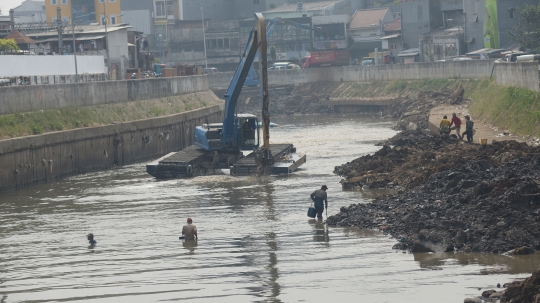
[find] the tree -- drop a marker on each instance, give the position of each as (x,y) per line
(527,30)
(7,45)
(273,53)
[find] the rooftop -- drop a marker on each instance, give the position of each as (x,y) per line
(307,6)
(393,26)
(20,38)
(363,18)
(82,29)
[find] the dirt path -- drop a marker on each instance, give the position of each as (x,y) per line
(483,130)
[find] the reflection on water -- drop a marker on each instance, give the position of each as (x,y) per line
(190,246)
(254,242)
(493,263)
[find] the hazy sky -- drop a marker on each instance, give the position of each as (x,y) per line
(6,5)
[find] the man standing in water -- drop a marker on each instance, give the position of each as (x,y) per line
(318,197)
(91,240)
(189,231)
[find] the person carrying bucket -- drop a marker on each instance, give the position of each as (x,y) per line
(189,231)
(318,197)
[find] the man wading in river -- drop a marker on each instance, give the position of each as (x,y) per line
(189,231)
(318,197)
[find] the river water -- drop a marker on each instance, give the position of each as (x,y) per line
(256,242)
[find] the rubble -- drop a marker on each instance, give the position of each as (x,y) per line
(527,291)
(489,201)
(305,99)
(415,109)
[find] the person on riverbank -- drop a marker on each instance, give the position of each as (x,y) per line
(90,238)
(444,127)
(318,197)
(469,124)
(189,231)
(456,121)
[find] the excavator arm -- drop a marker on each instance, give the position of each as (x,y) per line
(256,39)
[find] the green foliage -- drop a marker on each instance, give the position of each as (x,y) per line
(7,45)
(515,109)
(34,123)
(272,6)
(527,30)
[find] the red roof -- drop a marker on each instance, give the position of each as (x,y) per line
(367,17)
(393,26)
(20,38)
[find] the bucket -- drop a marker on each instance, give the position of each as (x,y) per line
(483,141)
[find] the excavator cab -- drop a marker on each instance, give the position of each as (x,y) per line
(248,132)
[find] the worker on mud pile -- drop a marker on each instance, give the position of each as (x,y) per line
(318,197)
(90,238)
(189,231)
(456,121)
(444,127)
(469,131)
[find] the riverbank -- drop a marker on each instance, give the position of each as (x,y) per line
(453,196)
(69,118)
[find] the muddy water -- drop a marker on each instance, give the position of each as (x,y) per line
(256,243)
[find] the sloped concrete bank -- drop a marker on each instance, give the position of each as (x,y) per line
(34,159)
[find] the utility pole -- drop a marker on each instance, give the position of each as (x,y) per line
(74,50)
(60,28)
(204,39)
(105,20)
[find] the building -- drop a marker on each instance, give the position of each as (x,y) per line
(90,40)
(440,44)
(30,11)
(366,30)
(487,22)
(391,41)
(85,12)
(139,15)
(309,9)
(330,32)
(419,17)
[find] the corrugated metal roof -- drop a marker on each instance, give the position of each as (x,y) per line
(391,36)
(363,18)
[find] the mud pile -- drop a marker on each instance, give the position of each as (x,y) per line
(416,155)
(487,203)
(527,291)
(311,98)
(416,109)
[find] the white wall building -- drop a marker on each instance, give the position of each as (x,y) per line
(30,11)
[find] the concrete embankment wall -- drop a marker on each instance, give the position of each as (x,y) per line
(523,74)
(357,73)
(30,160)
(42,97)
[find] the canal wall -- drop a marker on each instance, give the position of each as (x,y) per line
(524,74)
(471,69)
(43,97)
(34,159)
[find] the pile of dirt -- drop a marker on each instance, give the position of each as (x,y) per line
(305,99)
(416,155)
(486,200)
(415,109)
(527,291)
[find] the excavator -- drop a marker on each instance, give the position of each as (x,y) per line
(220,145)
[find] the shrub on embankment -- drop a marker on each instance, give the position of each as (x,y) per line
(33,123)
(515,109)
